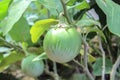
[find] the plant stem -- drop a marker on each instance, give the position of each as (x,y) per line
(47,69)
(52,74)
(65,12)
(115,66)
(103,55)
(110,54)
(78,63)
(86,60)
(55,71)
(85,70)
(16,47)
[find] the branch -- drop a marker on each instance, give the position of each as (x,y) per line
(65,12)
(78,63)
(115,66)
(55,71)
(16,47)
(103,55)
(52,74)
(86,60)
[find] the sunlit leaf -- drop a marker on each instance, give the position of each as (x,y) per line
(4,4)
(112,11)
(40,27)
(10,59)
(1,57)
(80,6)
(71,2)
(90,57)
(15,12)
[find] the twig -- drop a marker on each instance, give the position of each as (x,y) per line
(65,12)
(104,27)
(103,55)
(86,60)
(110,54)
(55,71)
(115,66)
(16,47)
(47,70)
(78,63)
(52,74)
(85,70)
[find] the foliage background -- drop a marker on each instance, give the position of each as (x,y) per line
(24,23)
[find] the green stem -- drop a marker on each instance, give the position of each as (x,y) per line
(86,60)
(115,66)
(16,47)
(103,55)
(65,12)
(55,71)
(78,63)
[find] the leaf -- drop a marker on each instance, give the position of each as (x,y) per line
(97,66)
(78,76)
(90,57)
(20,31)
(40,27)
(81,5)
(10,59)
(94,29)
(4,4)
(112,11)
(54,6)
(87,23)
(4,49)
(71,2)
(16,10)
(1,57)
(40,57)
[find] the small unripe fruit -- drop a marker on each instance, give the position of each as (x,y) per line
(62,44)
(31,67)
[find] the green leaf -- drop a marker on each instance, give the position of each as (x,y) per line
(94,29)
(1,57)
(4,49)
(41,57)
(10,59)
(4,4)
(97,66)
(16,10)
(40,27)
(87,23)
(81,5)
(112,11)
(20,31)
(71,2)
(54,6)
(78,76)
(90,57)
